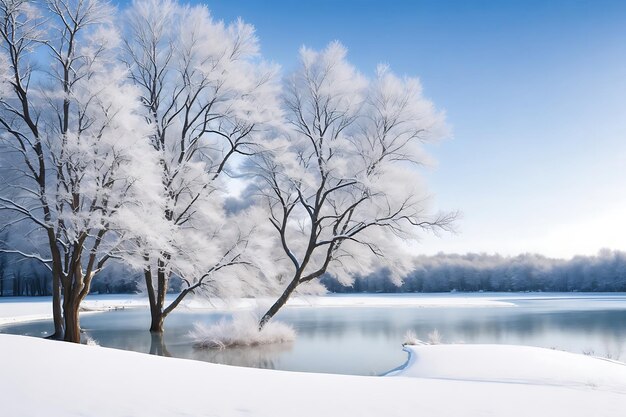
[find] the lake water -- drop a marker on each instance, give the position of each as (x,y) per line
(367,340)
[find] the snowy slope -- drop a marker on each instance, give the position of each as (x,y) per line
(460,380)
(514,365)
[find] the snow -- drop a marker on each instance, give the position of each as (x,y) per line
(440,380)
(513,364)
(357,300)
(24,309)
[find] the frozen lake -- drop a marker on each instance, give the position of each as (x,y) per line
(367,340)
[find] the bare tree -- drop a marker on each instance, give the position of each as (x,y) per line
(70,135)
(207,99)
(342,189)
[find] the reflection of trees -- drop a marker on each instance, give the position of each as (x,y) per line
(157,345)
(458,324)
(260,356)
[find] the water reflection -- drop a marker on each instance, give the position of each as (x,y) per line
(263,356)
(366,341)
(157,345)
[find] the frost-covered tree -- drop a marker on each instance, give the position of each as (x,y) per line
(485,272)
(208,99)
(73,147)
(342,188)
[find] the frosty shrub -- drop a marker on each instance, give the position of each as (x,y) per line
(90,341)
(410,339)
(434,337)
(242,330)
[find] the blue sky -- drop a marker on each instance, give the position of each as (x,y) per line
(535,93)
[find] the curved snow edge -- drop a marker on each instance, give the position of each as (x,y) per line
(512,364)
(409,361)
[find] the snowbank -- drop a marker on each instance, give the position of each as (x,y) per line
(356,300)
(438,381)
(23,309)
(513,364)
(400,300)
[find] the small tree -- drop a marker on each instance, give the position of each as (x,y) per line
(207,99)
(70,135)
(342,187)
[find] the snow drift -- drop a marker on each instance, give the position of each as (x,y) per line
(441,380)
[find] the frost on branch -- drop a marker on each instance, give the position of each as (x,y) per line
(242,330)
(411,339)
(208,100)
(342,183)
(73,146)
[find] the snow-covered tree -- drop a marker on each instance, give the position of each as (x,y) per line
(208,99)
(72,140)
(342,186)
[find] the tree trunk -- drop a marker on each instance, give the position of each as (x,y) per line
(75,289)
(72,322)
(57,272)
(157,300)
(57,315)
(156,325)
(280,302)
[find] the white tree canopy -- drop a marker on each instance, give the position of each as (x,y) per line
(210,101)
(73,142)
(342,183)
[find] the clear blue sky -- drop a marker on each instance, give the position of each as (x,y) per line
(535,93)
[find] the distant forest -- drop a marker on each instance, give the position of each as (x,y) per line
(482,272)
(440,273)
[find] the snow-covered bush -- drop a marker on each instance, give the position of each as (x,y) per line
(242,330)
(90,341)
(411,339)
(435,338)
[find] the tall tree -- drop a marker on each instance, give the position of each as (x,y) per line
(342,186)
(70,132)
(208,99)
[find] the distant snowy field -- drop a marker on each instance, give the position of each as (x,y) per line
(440,380)
(22,309)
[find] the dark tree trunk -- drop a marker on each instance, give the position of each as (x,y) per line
(57,272)
(156,324)
(75,289)
(157,300)
(280,302)
(57,312)
(72,322)
(16,285)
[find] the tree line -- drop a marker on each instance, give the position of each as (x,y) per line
(158,138)
(482,272)
(604,272)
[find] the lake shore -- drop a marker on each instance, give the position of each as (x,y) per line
(15,310)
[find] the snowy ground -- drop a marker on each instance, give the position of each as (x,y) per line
(23,309)
(441,380)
